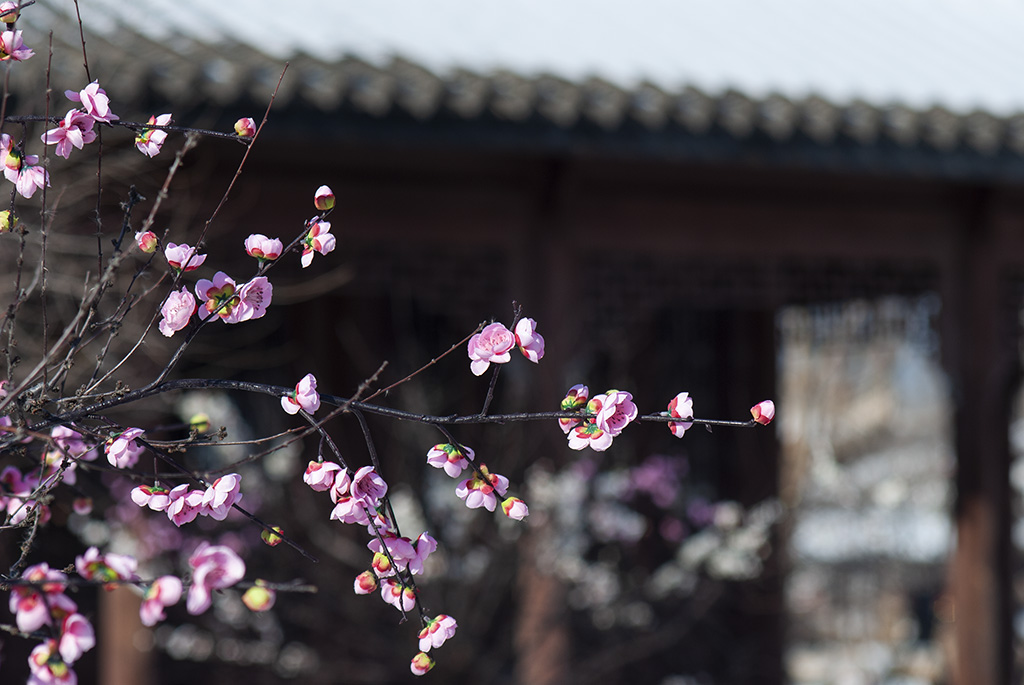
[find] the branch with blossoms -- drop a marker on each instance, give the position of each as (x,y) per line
(49,437)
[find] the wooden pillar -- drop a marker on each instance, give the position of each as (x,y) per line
(122,662)
(980,352)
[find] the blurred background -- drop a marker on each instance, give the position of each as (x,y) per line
(817,203)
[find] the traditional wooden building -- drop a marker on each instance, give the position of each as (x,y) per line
(655,185)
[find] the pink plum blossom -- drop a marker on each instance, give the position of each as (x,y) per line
(219,497)
(399,549)
(402,598)
(147,241)
(263,248)
(680,407)
(214,567)
(437,631)
(421,664)
(320,475)
(72,442)
(368,486)
(479,491)
(27,602)
(122,451)
(450,458)
(177,309)
(183,257)
(305,396)
(74,130)
(163,592)
(318,239)
(253,299)
(614,411)
(491,345)
(350,510)
(425,546)
(365,583)
(184,505)
(105,568)
(574,400)
(589,435)
(259,598)
(150,140)
(77,637)
(342,486)
(22,170)
(12,47)
(218,296)
(245,127)
(48,667)
(324,198)
(95,102)
(31,178)
(763,412)
(529,341)
(515,508)
(155,497)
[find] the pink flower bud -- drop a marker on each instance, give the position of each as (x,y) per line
(82,505)
(763,412)
(421,664)
(147,241)
(365,583)
(515,508)
(263,248)
(246,127)
(324,198)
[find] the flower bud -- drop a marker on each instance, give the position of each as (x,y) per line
(324,198)
(12,7)
(147,241)
(421,664)
(8,220)
(366,582)
(246,127)
(515,508)
(199,422)
(272,539)
(763,412)
(259,598)
(82,505)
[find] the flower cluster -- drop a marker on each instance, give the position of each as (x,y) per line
(493,344)
(609,414)
(40,601)
(358,499)
(483,488)
(182,504)
(224,298)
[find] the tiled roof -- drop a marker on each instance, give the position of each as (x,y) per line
(939,73)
